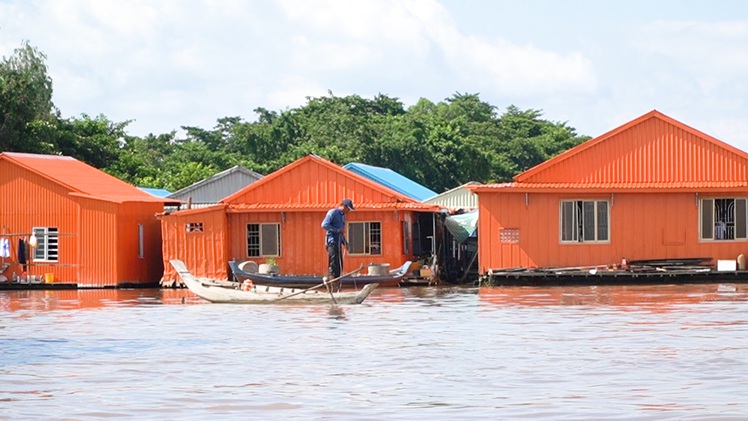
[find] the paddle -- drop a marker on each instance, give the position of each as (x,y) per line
(329,289)
(320,285)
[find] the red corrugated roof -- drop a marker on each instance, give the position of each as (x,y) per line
(715,186)
(81,178)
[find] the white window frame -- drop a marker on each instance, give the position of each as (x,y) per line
(264,241)
(47,244)
(574,224)
(720,220)
(365,238)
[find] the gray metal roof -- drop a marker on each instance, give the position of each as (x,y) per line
(218,186)
(457,198)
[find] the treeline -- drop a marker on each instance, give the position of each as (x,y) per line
(440,145)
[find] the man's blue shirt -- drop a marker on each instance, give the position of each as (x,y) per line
(334,223)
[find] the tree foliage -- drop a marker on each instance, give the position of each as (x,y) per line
(440,145)
(25,99)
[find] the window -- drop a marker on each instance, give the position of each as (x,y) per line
(263,240)
(195,227)
(365,237)
(584,221)
(46,244)
(723,219)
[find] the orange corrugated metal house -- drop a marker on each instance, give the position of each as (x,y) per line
(91,228)
(653,188)
(279,217)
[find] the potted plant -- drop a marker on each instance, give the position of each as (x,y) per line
(270,266)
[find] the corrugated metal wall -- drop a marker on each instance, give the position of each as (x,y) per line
(461,198)
(642,226)
(649,218)
(29,201)
(96,237)
(137,269)
(215,189)
(205,253)
(99,263)
(302,240)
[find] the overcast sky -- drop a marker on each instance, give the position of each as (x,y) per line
(593,64)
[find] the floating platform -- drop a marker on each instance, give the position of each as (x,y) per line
(14,286)
(529,277)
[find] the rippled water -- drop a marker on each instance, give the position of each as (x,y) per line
(627,353)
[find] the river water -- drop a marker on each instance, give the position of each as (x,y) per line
(577,353)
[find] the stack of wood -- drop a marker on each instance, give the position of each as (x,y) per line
(690,265)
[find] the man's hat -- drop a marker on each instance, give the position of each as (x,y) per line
(347,203)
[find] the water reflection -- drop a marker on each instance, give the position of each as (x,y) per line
(92,298)
(634,353)
(655,297)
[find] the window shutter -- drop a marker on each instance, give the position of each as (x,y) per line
(707,219)
(740,218)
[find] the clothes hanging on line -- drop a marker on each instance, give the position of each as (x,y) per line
(22,253)
(4,247)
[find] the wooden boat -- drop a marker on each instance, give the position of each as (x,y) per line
(229,292)
(391,279)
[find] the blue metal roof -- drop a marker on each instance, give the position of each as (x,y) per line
(391,179)
(156,192)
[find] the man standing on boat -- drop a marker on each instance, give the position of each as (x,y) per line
(334,224)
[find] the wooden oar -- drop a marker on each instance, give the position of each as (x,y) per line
(329,289)
(320,285)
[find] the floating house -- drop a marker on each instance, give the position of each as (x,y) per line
(279,218)
(653,188)
(68,222)
(211,190)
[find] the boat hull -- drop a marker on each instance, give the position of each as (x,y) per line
(223,292)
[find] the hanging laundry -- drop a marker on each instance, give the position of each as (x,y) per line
(22,253)
(4,247)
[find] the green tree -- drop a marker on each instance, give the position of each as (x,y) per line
(529,140)
(142,160)
(25,100)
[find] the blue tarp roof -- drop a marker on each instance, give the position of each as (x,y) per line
(156,192)
(391,179)
(463,226)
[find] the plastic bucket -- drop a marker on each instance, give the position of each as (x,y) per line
(49,278)
(380,269)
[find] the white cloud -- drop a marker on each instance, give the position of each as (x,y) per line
(189,62)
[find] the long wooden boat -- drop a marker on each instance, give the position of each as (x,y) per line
(391,279)
(229,292)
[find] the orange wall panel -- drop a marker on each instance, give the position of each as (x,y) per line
(302,240)
(99,263)
(205,253)
(91,247)
(32,201)
(642,226)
